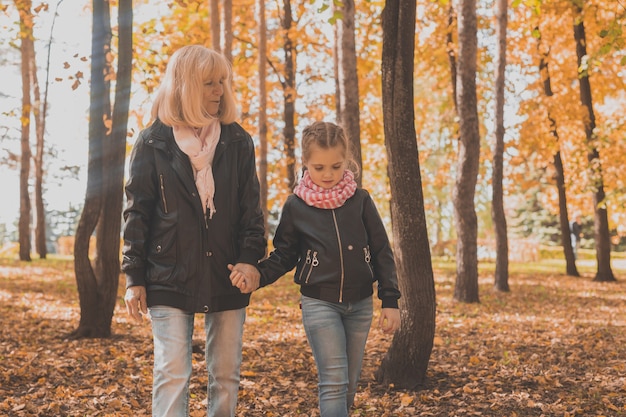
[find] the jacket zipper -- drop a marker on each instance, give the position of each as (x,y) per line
(162,185)
(314,263)
(340,257)
(306,262)
(368,258)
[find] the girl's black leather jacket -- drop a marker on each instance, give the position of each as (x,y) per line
(170,246)
(338,253)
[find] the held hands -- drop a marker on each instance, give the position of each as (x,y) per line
(135,300)
(389,320)
(245,277)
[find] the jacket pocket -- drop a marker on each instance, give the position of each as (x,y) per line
(310,262)
(162,249)
(162,191)
(367,255)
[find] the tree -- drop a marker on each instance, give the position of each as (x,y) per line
(601,222)
(227,29)
(214,6)
(348,80)
(566,240)
(38,115)
(97,286)
(466,286)
(289,95)
(26,50)
(501,279)
(262,58)
(406,361)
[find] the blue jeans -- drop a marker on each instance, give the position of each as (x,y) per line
(172,330)
(337,334)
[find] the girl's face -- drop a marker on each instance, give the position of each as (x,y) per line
(213,91)
(326,166)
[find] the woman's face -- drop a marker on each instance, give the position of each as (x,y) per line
(213,91)
(326,166)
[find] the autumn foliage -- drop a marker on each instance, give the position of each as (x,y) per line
(553,346)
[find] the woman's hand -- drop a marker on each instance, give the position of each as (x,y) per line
(245,277)
(135,300)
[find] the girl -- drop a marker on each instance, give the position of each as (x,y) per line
(332,233)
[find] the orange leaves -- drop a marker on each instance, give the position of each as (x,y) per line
(553,346)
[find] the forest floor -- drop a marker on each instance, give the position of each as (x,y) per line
(553,346)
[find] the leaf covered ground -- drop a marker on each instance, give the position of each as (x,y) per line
(553,346)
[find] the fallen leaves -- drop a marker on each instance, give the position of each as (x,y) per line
(553,346)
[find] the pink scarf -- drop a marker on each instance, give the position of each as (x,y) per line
(323,198)
(199,144)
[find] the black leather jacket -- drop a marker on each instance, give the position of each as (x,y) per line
(338,253)
(170,246)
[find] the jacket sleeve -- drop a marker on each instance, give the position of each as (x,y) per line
(141,193)
(251,239)
(382,255)
(284,257)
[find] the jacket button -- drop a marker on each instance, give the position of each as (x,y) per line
(158,248)
(193,194)
(350,247)
(206,309)
(209,253)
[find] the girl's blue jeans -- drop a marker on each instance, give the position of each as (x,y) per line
(172,330)
(337,333)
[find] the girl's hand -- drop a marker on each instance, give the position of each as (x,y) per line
(389,320)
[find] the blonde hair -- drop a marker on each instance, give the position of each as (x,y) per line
(327,135)
(179,99)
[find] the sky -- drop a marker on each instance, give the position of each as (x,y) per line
(67,120)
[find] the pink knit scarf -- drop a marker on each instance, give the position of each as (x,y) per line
(323,198)
(199,145)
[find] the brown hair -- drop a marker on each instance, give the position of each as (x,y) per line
(327,135)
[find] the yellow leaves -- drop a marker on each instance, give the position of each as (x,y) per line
(406,400)
(539,352)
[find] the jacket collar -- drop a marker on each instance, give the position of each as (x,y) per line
(161,137)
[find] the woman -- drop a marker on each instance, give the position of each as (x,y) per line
(193,209)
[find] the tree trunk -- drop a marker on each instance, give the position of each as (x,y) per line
(40,211)
(289,96)
(214,6)
(501,279)
(566,240)
(26,50)
(86,279)
(110,223)
(406,362)
(466,286)
(227,28)
(451,53)
(601,222)
(97,284)
(262,30)
(348,80)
